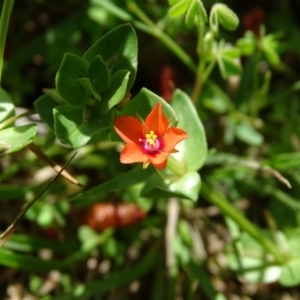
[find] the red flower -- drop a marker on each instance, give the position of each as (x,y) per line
(149,142)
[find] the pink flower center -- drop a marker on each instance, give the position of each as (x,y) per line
(150,142)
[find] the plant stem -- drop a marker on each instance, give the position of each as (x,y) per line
(57,168)
(227,209)
(15,118)
(198,83)
(4,20)
(164,38)
(11,228)
(203,70)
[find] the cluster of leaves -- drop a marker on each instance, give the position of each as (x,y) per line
(244,164)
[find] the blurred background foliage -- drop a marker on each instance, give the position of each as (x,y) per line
(252,125)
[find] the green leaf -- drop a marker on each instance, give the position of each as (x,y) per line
(179,8)
(271,55)
(25,262)
(44,106)
(7,108)
(248,85)
(231,52)
(215,99)
(225,16)
(193,150)
(72,67)
(228,67)
(28,243)
(173,2)
(290,275)
(247,257)
(270,45)
(246,133)
(195,13)
(75,129)
(16,138)
(53,93)
(116,92)
(247,43)
(285,161)
(186,187)
(86,85)
(99,74)
(118,48)
(119,182)
(143,103)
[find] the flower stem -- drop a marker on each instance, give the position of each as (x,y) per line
(227,209)
(4,20)
(159,34)
(15,118)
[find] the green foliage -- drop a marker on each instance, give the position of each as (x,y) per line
(222,14)
(193,151)
(220,210)
(194,11)
(72,67)
(16,138)
(91,86)
(7,106)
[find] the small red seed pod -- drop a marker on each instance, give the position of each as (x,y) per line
(103,215)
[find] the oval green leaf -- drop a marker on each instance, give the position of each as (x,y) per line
(179,8)
(44,106)
(16,138)
(226,17)
(7,108)
(192,151)
(73,129)
(99,74)
(118,49)
(116,91)
(186,187)
(195,13)
(72,67)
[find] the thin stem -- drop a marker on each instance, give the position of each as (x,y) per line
(11,228)
(15,118)
(201,64)
(201,77)
(57,168)
(227,209)
(4,20)
(164,38)
(202,71)
(198,83)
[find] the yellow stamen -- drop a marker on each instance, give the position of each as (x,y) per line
(151,137)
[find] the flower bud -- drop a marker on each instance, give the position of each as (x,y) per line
(222,14)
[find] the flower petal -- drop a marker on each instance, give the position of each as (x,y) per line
(159,161)
(171,138)
(129,129)
(132,153)
(157,121)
